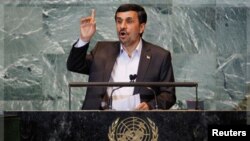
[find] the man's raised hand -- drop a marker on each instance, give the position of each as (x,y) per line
(88,27)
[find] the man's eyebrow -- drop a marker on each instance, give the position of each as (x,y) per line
(127,18)
(118,18)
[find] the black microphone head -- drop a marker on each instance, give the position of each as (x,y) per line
(132,77)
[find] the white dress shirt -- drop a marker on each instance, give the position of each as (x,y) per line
(124,66)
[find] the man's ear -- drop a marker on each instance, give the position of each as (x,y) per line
(142,27)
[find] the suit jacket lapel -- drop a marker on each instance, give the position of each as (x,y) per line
(143,65)
(111,58)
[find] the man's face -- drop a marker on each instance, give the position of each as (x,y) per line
(128,28)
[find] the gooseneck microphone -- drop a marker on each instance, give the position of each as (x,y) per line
(156,103)
(132,78)
(111,97)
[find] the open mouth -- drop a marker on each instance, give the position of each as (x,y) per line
(123,33)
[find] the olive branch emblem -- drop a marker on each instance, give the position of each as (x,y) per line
(151,125)
(154,130)
(111,134)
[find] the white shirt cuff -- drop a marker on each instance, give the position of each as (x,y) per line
(80,43)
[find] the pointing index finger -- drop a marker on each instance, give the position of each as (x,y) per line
(93,14)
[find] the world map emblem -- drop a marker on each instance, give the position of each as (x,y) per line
(133,129)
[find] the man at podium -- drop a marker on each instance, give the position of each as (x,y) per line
(129,59)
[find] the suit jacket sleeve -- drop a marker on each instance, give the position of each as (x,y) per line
(165,95)
(78,60)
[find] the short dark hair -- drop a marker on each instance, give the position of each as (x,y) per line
(142,15)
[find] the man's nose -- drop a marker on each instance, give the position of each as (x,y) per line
(123,25)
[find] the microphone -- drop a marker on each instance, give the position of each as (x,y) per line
(132,78)
(111,97)
(156,103)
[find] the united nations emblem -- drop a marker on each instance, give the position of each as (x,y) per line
(133,129)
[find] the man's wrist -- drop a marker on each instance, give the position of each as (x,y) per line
(80,43)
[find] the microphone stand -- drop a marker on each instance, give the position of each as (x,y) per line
(156,103)
(110,101)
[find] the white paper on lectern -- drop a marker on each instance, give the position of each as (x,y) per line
(127,104)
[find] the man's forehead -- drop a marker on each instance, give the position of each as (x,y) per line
(126,14)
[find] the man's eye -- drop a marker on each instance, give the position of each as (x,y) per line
(129,21)
(119,21)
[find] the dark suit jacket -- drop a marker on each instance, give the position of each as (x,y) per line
(154,66)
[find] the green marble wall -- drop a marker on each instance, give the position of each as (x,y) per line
(1,56)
